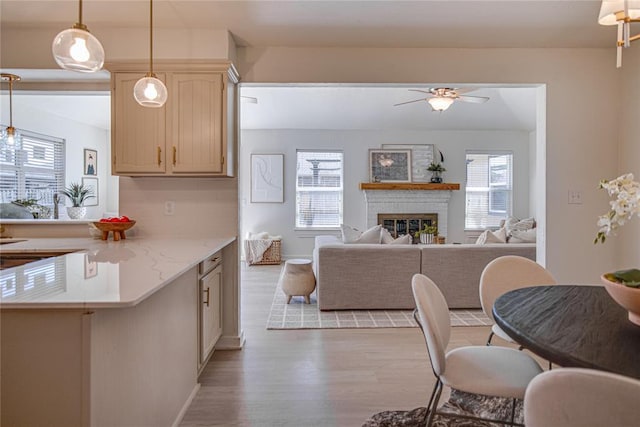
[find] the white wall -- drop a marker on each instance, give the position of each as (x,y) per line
(533,173)
(77,136)
(278,218)
(579,129)
(628,241)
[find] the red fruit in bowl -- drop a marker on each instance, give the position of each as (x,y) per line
(124,218)
(104,219)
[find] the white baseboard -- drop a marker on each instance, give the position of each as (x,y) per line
(186,405)
(231,342)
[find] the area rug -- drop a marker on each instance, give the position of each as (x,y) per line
(460,403)
(298,315)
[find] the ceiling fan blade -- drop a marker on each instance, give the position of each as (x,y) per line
(474,99)
(423,91)
(461,90)
(409,102)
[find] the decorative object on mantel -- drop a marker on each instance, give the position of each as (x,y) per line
(150,91)
(421,155)
(390,165)
(77,194)
(76,49)
(621,13)
(436,170)
(624,285)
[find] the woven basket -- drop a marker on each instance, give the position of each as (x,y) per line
(272,255)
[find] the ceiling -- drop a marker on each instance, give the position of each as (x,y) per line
(344,23)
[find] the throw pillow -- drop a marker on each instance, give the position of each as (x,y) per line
(528,236)
(488,236)
(386,236)
(512,224)
(353,235)
(405,239)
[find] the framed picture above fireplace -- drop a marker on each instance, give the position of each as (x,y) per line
(390,165)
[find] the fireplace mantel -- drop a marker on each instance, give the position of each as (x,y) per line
(408,186)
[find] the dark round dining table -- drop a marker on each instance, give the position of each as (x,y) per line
(572,326)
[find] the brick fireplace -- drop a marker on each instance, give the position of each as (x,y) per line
(408,199)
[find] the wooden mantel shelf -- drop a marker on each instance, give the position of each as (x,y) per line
(408,186)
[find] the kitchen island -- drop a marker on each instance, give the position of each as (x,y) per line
(110,334)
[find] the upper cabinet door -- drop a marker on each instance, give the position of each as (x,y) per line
(196,143)
(138,133)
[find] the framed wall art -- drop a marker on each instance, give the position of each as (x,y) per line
(267,178)
(91,183)
(390,165)
(90,162)
(421,157)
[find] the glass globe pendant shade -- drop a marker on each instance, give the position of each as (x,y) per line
(10,138)
(440,103)
(76,49)
(149,91)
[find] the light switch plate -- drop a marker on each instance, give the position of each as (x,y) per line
(575,197)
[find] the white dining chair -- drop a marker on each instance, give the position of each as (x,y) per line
(486,370)
(504,274)
(576,397)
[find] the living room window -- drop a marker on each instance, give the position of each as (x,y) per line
(488,189)
(319,178)
(32,170)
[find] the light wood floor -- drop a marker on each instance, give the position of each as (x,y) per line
(326,377)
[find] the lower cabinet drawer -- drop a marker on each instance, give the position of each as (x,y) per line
(208,264)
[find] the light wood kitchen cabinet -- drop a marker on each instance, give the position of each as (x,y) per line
(210,311)
(193,134)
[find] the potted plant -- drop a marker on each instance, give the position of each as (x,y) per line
(427,234)
(623,285)
(436,170)
(77,194)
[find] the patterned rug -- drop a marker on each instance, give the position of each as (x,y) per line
(460,403)
(298,315)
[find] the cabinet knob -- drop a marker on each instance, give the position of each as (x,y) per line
(206,291)
(159,156)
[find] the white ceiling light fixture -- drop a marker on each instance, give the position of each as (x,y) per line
(149,91)
(621,13)
(76,49)
(439,103)
(10,136)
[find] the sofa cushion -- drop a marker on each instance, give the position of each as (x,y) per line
(512,224)
(519,236)
(353,235)
(388,239)
(488,236)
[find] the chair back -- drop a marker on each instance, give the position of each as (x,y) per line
(433,318)
(575,397)
(507,273)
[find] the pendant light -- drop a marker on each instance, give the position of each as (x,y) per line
(10,136)
(76,49)
(149,91)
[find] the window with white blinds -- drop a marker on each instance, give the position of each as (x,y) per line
(319,178)
(34,169)
(489,189)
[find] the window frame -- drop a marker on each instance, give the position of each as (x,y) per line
(339,189)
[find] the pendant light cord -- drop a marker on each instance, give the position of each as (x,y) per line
(151,37)
(80,13)
(10,102)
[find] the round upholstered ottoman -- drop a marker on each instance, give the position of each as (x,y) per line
(297,279)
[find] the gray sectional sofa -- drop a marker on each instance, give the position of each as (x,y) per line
(378,276)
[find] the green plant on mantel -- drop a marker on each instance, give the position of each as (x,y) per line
(436,167)
(77,194)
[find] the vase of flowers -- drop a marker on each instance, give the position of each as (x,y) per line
(436,170)
(77,194)
(623,285)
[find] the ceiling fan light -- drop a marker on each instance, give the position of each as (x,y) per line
(610,8)
(149,91)
(439,103)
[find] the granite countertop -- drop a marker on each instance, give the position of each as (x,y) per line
(99,274)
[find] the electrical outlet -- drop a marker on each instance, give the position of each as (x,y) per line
(169,207)
(575,197)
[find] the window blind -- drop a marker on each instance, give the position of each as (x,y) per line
(319,186)
(34,169)
(488,189)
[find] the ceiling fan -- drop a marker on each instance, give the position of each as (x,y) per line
(441,98)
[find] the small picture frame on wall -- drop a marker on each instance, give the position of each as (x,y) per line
(267,178)
(390,165)
(90,162)
(91,183)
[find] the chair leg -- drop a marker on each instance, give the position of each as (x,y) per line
(433,402)
(489,339)
(550,367)
(513,410)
